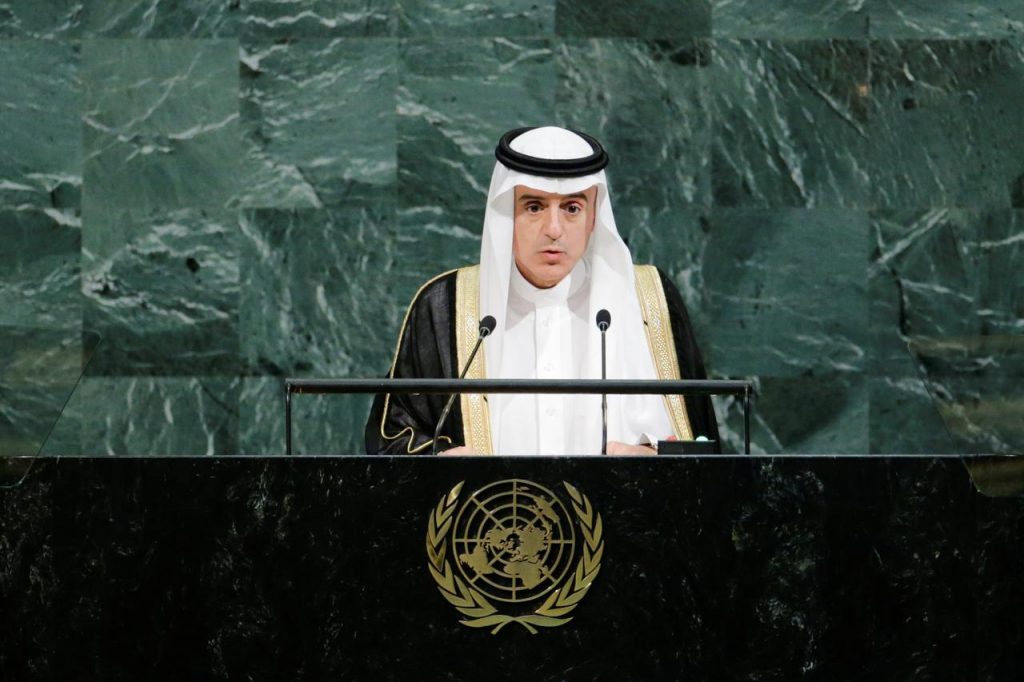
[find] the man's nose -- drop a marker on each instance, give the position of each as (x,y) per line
(553,224)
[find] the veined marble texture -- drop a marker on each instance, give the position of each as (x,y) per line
(162,290)
(41,154)
(236,192)
(940,318)
(447,122)
(945,18)
(946,123)
(423,18)
(804,415)
(791,123)
(53,19)
(658,133)
(778,306)
(39,371)
(318,118)
(638,19)
(171,416)
(789,19)
(160,18)
(680,257)
(321,424)
(782,311)
(315,291)
(40,281)
(160,126)
(319,18)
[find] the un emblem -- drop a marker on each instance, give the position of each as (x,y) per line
(516,544)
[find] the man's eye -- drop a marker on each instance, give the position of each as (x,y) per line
(573,208)
(533,208)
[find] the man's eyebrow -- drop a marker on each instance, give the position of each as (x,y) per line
(534,197)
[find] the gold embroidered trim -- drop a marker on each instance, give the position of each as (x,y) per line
(391,374)
(476,418)
(654,308)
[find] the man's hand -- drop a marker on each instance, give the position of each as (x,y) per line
(461,450)
(617,448)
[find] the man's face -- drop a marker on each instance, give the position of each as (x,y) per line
(551,233)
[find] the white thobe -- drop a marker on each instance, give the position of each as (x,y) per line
(545,330)
(542,329)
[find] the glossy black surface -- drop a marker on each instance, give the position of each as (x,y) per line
(315,568)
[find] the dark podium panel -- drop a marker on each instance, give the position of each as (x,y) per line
(717,568)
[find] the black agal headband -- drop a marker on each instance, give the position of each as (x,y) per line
(555,168)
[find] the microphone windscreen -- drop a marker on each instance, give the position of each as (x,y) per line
(604,319)
(487,325)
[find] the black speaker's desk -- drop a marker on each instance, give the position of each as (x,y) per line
(318,568)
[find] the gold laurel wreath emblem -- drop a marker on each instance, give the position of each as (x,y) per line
(471,603)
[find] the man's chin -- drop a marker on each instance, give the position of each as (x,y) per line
(553,276)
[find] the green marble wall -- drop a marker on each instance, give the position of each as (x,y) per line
(228,193)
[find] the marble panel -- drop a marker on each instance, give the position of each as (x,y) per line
(638,19)
(317,295)
(528,18)
(920,283)
(945,18)
(318,119)
(160,122)
(675,241)
(946,309)
(50,20)
(904,416)
(319,18)
(162,289)
(945,124)
(431,240)
(162,18)
(647,102)
(40,273)
(455,99)
(788,293)
(38,372)
(153,416)
(791,123)
(33,357)
(40,124)
(799,415)
(998,250)
(982,409)
(790,19)
(321,424)
(945,274)
(27,417)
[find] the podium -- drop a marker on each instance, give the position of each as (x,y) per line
(714,568)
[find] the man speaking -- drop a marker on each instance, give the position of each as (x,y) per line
(551,260)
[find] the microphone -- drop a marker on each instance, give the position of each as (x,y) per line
(487,325)
(604,320)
